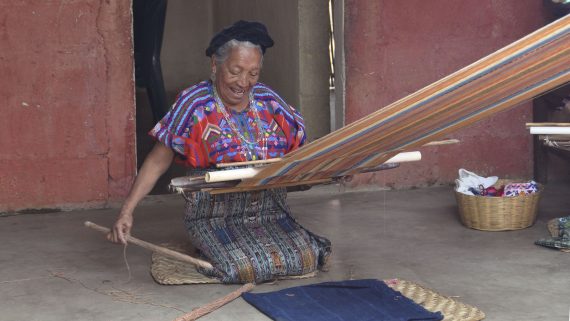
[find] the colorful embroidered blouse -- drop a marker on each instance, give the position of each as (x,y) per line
(201,136)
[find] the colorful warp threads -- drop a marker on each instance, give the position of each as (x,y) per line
(532,65)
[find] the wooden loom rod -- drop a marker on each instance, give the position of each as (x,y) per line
(215,191)
(275,160)
(155,248)
(558,130)
(214,305)
(547,124)
(442,142)
(255,162)
(250,172)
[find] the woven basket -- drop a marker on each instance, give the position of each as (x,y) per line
(498,213)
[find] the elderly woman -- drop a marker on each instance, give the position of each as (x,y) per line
(247,236)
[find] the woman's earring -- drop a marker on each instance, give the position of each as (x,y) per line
(213,75)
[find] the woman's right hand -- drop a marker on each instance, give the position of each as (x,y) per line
(155,164)
(121,228)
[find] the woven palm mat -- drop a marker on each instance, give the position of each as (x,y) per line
(451,309)
(170,271)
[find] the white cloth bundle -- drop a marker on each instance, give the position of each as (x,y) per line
(469,180)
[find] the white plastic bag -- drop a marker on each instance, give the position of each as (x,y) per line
(469,180)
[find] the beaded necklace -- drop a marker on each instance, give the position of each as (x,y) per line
(249,145)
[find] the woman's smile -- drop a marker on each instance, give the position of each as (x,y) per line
(236,77)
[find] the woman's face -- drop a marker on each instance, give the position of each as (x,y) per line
(237,75)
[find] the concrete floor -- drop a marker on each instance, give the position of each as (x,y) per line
(55,269)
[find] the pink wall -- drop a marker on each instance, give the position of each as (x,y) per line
(394,48)
(67,103)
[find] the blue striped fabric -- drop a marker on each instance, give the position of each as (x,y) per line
(354,300)
(251,237)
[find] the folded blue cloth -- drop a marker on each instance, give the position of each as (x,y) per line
(354,300)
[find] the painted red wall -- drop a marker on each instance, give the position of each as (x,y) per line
(67,103)
(394,48)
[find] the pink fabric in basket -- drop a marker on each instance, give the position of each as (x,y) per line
(516,189)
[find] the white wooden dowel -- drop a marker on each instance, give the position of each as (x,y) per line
(231,174)
(406,157)
(550,130)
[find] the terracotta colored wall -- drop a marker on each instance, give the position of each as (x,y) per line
(67,103)
(394,48)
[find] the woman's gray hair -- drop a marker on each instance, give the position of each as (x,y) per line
(222,54)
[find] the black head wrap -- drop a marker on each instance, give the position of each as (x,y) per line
(254,32)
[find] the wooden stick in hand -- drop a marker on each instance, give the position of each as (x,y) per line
(155,248)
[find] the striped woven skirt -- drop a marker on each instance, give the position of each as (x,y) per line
(251,236)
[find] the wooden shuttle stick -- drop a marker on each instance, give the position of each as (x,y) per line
(442,142)
(155,248)
(275,160)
